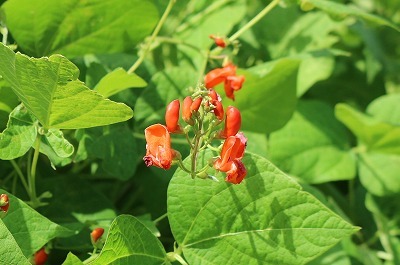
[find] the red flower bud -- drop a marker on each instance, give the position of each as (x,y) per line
(40,257)
(218,110)
(172,116)
(196,105)
(96,234)
(218,41)
(186,111)
(4,203)
(233,121)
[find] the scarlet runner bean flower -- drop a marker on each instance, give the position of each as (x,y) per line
(4,205)
(172,116)
(230,160)
(218,41)
(96,234)
(189,107)
(216,101)
(233,121)
(158,147)
(227,74)
(40,257)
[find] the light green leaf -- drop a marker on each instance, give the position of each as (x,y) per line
(386,108)
(313,145)
(11,254)
(30,229)
(379,173)
(49,88)
(75,28)
(72,260)
(19,136)
(164,87)
(268,96)
(266,219)
(342,11)
(372,133)
(130,242)
(117,81)
(54,142)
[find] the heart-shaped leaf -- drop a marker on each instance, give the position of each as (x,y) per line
(50,89)
(266,219)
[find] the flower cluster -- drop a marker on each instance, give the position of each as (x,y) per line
(4,204)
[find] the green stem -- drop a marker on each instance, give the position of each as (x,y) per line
(156,221)
(21,175)
(4,31)
(152,37)
(254,20)
(32,176)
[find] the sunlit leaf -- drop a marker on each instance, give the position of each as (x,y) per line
(9,249)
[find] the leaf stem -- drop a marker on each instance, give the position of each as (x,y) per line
(152,37)
(32,176)
(21,175)
(156,221)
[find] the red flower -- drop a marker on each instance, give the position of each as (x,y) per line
(230,161)
(227,74)
(216,101)
(233,121)
(4,203)
(189,107)
(218,41)
(96,234)
(158,148)
(40,257)
(172,116)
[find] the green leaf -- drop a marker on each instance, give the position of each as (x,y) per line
(8,101)
(72,260)
(374,134)
(11,254)
(75,28)
(30,229)
(266,219)
(19,136)
(130,242)
(50,89)
(313,145)
(117,81)
(268,96)
(386,108)
(379,173)
(342,11)
(165,86)
(54,142)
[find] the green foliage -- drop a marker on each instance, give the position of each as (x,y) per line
(11,253)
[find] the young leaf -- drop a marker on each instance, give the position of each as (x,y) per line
(72,260)
(266,219)
(313,145)
(19,136)
(341,11)
(30,229)
(53,142)
(50,89)
(386,108)
(9,249)
(75,28)
(268,97)
(118,80)
(130,242)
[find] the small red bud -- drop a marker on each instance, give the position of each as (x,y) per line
(172,116)
(233,121)
(96,234)
(220,42)
(4,203)
(40,257)
(196,105)
(219,110)
(186,111)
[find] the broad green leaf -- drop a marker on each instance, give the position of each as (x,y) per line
(117,81)
(386,108)
(268,96)
(267,218)
(19,135)
(74,28)
(118,151)
(8,101)
(130,242)
(11,254)
(50,89)
(313,145)
(164,87)
(379,173)
(372,133)
(30,229)
(342,11)
(82,205)
(72,260)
